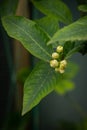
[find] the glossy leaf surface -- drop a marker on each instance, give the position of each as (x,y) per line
(73,32)
(38,85)
(29,34)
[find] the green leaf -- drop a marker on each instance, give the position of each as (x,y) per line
(39,84)
(49,24)
(32,37)
(73,32)
(54,8)
(83,8)
(68,48)
(79,46)
(64,86)
(71,47)
(69,72)
(43,80)
(8,7)
(65,83)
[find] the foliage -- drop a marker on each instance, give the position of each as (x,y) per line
(40,38)
(73,32)
(29,34)
(7,7)
(83,8)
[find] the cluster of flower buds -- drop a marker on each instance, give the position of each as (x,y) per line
(56,62)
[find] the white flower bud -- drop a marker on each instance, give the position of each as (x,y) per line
(54,63)
(63,64)
(61,71)
(55,55)
(59,49)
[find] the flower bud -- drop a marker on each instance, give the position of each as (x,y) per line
(63,63)
(61,71)
(59,49)
(54,63)
(55,55)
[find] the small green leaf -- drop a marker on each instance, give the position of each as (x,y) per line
(69,72)
(73,32)
(32,37)
(64,86)
(49,24)
(65,83)
(39,84)
(54,8)
(83,8)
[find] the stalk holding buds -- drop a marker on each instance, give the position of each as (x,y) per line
(56,62)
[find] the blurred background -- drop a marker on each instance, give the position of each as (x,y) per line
(55,112)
